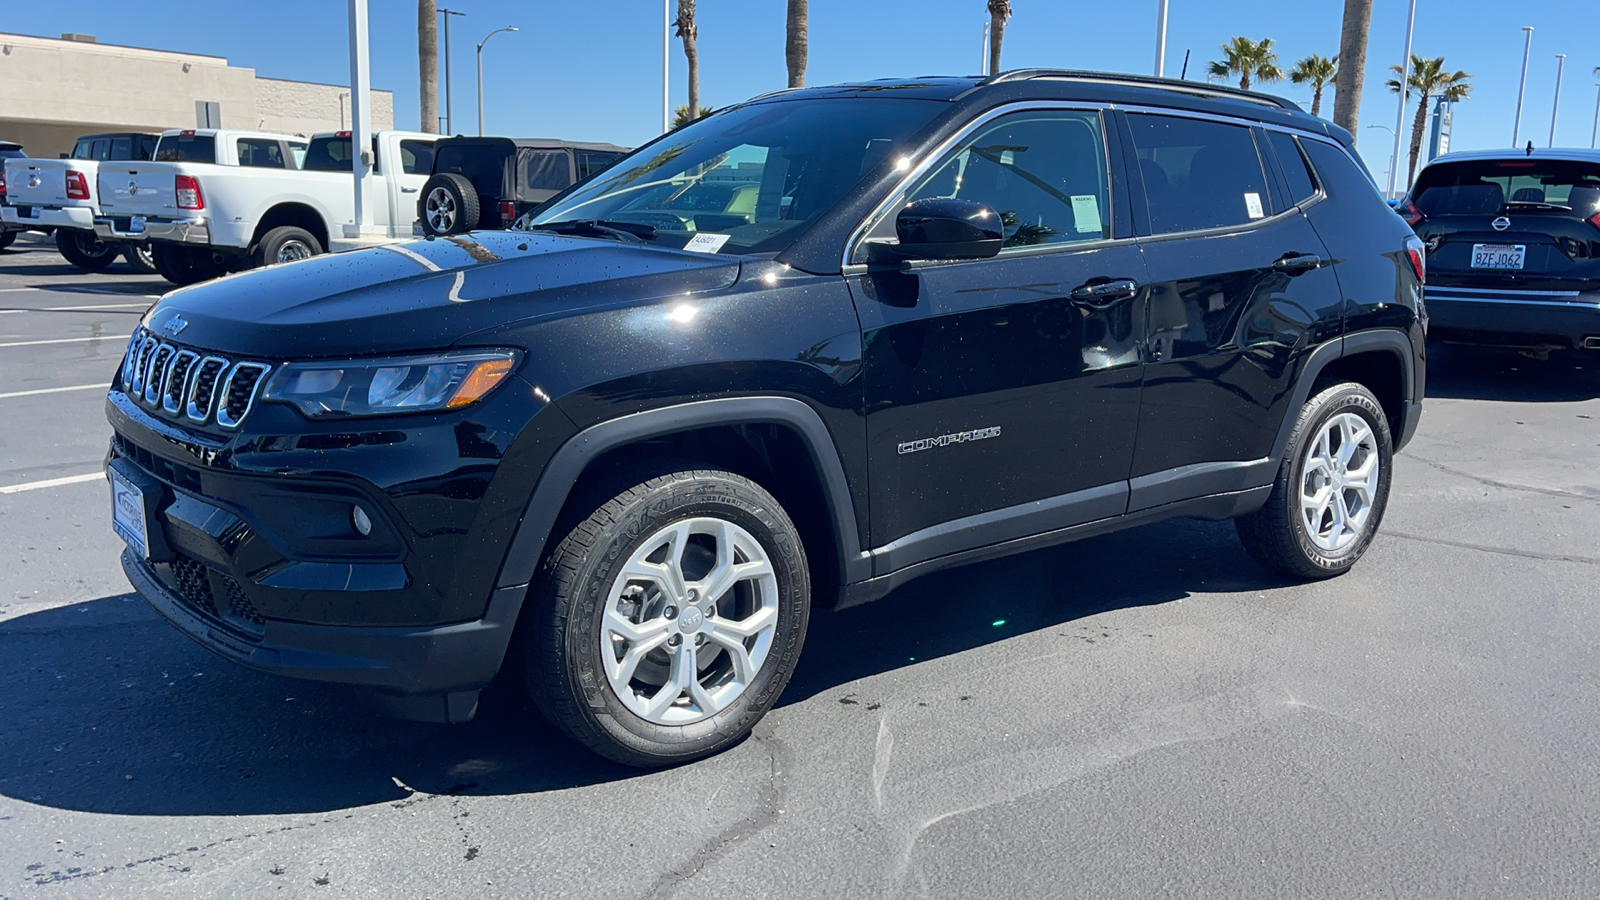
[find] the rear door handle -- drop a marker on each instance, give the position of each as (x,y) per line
(406,190)
(1104,293)
(1297,262)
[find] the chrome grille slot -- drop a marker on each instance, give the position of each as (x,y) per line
(188,384)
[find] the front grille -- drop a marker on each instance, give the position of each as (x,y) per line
(194,584)
(240,604)
(189,384)
(217,596)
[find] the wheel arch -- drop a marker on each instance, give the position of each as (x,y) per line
(1382,359)
(299,215)
(782,439)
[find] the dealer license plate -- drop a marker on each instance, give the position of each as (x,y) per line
(127,514)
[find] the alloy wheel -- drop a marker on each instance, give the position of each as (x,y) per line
(1338,482)
(292,250)
(441,207)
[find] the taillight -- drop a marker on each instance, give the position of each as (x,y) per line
(1593,220)
(2,181)
(508,211)
(1419,262)
(77,186)
(1410,213)
(188,190)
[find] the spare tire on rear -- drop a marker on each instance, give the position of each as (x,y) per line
(449,205)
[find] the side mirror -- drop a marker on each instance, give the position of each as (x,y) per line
(938,228)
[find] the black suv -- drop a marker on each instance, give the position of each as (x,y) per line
(631,445)
(1513,247)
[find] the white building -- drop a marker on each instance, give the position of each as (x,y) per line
(53,90)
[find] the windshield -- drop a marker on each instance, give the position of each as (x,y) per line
(1486,187)
(746,180)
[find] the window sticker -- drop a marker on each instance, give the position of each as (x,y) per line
(1252,205)
(1086,213)
(706,242)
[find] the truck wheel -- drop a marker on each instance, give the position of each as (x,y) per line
(667,621)
(449,205)
(185,265)
(138,256)
(84,250)
(286,243)
(1331,489)
(6,237)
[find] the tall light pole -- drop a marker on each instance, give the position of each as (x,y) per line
(1595,131)
(1561,64)
(480,72)
(1527,46)
(1405,92)
(1161,38)
(666,56)
(449,123)
(984,69)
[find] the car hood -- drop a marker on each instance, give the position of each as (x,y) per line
(425,295)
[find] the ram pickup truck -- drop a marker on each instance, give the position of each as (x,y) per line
(8,231)
(59,195)
(217,215)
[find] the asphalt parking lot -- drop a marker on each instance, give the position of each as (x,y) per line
(1144,714)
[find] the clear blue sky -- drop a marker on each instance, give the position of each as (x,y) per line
(592,71)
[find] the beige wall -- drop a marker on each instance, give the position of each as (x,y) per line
(52,90)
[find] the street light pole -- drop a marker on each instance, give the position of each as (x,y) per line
(1161,38)
(666,69)
(1595,131)
(1527,46)
(480,72)
(984,69)
(1405,91)
(1561,65)
(449,121)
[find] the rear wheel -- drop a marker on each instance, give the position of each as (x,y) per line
(6,238)
(449,205)
(286,243)
(1331,489)
(85,250)
(185,265)
(668,620)
(139,257)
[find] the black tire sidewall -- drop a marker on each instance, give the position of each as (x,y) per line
(130,255)
(7,238)
(462,192)
(1342,398)
(273,241)
(69,242)
(641,742)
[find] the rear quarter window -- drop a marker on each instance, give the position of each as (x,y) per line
(1296,170)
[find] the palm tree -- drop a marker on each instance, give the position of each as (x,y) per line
(999,12)
(1429,79)
(689,32)
(795,45)
(1353,68)
(681,117)
(1250,60)
(428,63)
(1316,71)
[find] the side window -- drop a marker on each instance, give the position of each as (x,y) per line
(297,152)
(1301,184)
(101,149)
(416,157)
(121,148)
(83,150)
(590,162)
(1199,174)
(547,170)
(260,153)
(147,146)
(1044,172)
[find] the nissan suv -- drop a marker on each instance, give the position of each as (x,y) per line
(1513,247)
(631,444)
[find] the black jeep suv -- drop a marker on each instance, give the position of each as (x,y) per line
(633,442)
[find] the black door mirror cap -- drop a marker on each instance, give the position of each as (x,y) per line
(940,228)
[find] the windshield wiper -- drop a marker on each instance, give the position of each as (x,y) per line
(622,231)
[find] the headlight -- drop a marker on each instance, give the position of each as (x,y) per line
(402,384)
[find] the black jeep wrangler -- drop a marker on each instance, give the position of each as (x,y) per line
(931,322)
(488,182)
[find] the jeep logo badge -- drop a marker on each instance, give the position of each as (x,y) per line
(175,325)
(1501,224)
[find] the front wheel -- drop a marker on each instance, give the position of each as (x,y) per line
(85,250)
(1331,489)
(668,620)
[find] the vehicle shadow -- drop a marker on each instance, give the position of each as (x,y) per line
(1474,373)
(110,710)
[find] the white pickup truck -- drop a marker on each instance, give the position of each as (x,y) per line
(209,217)
(59,195)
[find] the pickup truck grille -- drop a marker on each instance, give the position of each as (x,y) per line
(188,384)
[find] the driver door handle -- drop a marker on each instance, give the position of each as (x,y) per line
(406,190)
(1104,293)
(1297,262)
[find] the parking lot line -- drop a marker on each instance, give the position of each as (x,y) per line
(55,390)
(76,340)
(51,482)
(90,306)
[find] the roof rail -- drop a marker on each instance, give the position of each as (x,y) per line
(1171,84)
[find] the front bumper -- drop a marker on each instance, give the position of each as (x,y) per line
(73,217)
(434,672)
(1533,319)
(194,231)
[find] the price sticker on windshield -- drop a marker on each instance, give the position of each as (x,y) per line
(706,242)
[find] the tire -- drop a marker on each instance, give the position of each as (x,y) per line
(6,238)
(185,265)
(286,243)
(449,205)
(1294,533)
(575,657)
(84,250)
(139,257)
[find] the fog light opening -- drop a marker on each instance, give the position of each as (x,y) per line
(361,520)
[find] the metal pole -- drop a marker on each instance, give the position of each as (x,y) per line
(1527,47)
(666,54)
(984,68)
(1595,131)
(360,114)
(480,72)
(1161,38)
(449,119)
(1561,64)
(1405,91)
